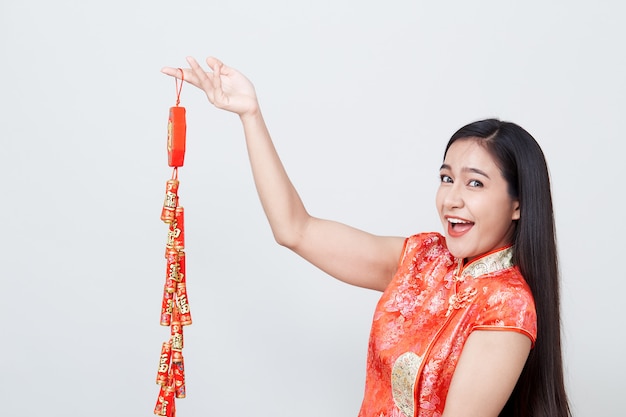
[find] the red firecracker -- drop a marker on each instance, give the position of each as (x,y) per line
(175,311)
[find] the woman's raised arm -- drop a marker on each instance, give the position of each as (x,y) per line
(348,254)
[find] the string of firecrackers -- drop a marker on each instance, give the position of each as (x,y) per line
(175,311)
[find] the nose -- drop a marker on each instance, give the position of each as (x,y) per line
(453,196)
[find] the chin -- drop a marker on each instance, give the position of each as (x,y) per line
(456,254)
(458,251)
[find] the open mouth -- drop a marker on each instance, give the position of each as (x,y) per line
(458,227)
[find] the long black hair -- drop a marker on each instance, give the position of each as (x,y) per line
(540,390)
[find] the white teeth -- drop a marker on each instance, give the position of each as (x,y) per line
(457,221)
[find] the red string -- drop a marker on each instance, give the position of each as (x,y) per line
(179,87)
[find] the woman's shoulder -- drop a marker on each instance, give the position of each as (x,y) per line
(425,240)
(510,278)
(507,303)
(428,245)
(507,289)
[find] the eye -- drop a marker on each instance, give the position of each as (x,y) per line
(475,183)
(446,178)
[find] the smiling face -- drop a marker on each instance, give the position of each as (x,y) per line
(473,201)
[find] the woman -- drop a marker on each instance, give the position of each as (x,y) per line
(468,324)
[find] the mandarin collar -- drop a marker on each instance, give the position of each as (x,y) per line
(488,263)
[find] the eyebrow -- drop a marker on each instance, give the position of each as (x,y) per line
(466,169)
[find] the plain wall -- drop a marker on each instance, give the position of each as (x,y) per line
(360,98)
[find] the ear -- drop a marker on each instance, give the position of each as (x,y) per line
(516,210)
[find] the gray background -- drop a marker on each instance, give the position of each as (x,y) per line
(360,97)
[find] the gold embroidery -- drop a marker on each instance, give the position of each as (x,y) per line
(461,300)
(403,380)
(493,262)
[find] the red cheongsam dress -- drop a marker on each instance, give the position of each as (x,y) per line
(425,316)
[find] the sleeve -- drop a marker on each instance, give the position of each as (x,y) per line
(508,305)
(419,247)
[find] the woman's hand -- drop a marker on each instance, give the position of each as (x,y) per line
(225,87)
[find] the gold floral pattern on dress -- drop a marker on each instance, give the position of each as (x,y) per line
(403,379)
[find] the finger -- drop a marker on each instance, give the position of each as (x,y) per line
(201,77)
(197,70)
(220,97)
(186,75)
(212,62)
(173,72)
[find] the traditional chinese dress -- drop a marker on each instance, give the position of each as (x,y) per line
(425,316)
